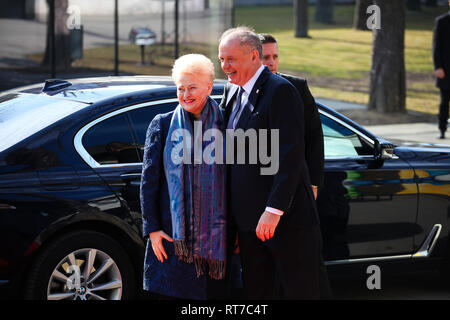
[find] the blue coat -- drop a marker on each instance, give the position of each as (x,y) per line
(172,277)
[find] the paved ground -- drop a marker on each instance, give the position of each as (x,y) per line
(423,132)
(423,286)
(420,132)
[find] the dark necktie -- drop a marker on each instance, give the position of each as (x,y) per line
(236,109)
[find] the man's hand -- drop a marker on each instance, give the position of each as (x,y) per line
(267,225)
(157,245)
(236,245)
(314,189)
(439,73)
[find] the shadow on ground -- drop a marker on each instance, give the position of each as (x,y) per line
(414,286)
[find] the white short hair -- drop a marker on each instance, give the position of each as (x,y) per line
(193,63)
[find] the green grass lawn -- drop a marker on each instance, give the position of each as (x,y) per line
(336,59)
(158,58)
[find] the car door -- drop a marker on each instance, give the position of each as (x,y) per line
(113,146)
(367,207)
(140,119)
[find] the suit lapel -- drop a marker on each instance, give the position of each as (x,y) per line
(228,99)
(251,106)
(233,89)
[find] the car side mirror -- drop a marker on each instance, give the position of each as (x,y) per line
(383,150)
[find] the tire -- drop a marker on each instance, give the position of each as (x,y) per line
(60,271)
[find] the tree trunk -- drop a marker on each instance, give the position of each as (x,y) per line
(360,15)
(413,5)
(324,11)
(62,36)
(301,18)
(387,75)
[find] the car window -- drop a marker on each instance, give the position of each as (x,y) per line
(110,141)
(22,115)
(339,141)
(141,118)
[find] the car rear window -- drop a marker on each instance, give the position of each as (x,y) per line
(22,115)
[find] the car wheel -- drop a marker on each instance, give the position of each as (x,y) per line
(83,265)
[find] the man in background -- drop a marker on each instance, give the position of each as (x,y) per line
(441,59)
(314,150)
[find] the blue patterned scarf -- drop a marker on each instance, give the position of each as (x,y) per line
(197,191)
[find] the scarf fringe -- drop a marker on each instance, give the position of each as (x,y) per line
(216,267)
(184,253)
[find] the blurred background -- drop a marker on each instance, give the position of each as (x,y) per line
(104,37)
(326,41)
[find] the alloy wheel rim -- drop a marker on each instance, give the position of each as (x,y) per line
(85,274)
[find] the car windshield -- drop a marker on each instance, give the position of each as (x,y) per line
(22,115)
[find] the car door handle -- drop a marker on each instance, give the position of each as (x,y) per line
(133,178)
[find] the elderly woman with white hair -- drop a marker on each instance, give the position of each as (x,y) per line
(183,202)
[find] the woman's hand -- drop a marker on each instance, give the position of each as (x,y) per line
(157,244)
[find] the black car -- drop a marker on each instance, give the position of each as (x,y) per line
(70,170)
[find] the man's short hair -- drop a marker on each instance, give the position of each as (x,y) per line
(267,38)
(247,37)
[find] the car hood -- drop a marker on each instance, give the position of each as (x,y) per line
(421,146)
(423,155)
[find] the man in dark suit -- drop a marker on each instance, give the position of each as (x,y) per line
(314,149)
(441,59)
(275,215)
(313,127)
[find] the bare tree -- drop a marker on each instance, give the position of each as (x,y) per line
(301,18)
(387,75)
(324,11)
(62,36)
(413,5)
(360,14)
